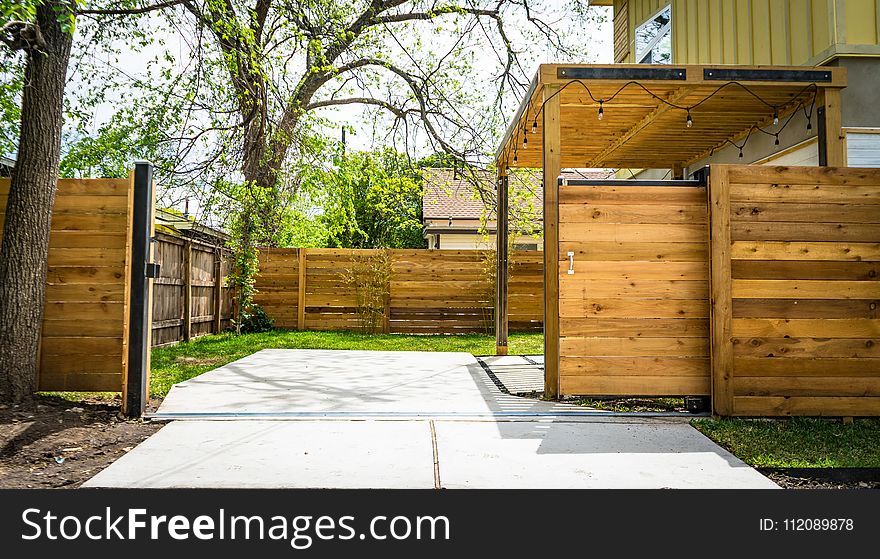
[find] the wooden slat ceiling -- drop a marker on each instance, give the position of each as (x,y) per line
(638,130)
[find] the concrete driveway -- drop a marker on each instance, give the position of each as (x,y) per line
(364,419)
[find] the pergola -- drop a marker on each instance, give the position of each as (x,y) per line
(646,117)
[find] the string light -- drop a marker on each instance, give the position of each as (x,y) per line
(525,141)
(689,117)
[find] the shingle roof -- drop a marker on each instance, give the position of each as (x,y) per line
(451,194)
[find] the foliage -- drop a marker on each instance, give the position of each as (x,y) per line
(254,320)
(370,200)
(370,277)
(180,362)
(797,442)
(112,150)
(11,83)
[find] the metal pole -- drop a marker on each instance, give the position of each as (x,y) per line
(822,134)
(501,247)
(141,271)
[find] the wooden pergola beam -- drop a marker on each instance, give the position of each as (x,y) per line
(832,149)
(661,110)
(552,144)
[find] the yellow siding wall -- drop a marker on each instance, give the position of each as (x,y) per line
(779,32)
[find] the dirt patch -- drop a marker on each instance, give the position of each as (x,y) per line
(824,478)
(188,360)
(55,443)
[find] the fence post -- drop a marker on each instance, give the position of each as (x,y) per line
(301,285)
(187,290)
(721,321)
(138,360)
(218,290)
(386,308)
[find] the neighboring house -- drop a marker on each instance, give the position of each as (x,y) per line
(6,165)
(456,216)
(766,32)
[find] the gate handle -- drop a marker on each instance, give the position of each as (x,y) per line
(570,263)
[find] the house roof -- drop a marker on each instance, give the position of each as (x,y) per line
(451,194)
(184,226)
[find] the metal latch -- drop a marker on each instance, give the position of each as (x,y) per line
(570,263)
(152,270)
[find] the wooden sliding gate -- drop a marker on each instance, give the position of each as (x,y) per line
(633,288)
(796,288)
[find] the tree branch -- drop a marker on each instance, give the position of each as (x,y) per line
(132,11)
(22,35)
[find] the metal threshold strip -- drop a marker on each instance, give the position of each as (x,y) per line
(409,415)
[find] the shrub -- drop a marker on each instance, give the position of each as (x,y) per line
(255,320)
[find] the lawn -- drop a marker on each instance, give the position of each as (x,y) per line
(798,442)
(184,361)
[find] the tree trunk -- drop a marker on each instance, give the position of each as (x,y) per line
(25,245)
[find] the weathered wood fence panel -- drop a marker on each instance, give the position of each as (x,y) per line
(84,343)
(189,296)
(796,286)
(428,291)
(634,315)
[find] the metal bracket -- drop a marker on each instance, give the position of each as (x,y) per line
(622,72)
(152,270)
(570,263)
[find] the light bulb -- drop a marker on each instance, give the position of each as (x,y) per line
(535,127)
(740,153)
(690,121)
(809,125)
(777,140)
(601,111)
(775,117)
(525,142)
(514,159)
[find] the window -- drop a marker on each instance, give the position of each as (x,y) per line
(654,39)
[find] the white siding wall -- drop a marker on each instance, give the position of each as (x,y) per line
(863,149)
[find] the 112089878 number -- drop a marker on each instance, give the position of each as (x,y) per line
(817,524)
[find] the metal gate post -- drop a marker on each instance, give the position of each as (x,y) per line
(501,267)
(139,299)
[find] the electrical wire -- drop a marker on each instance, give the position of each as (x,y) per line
(687,108)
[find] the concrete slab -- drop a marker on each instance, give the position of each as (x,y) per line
(514,443)
(315,382)
(276,454)
(592,455)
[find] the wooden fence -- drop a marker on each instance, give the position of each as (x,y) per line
(795,289)
(427,291)
(634,314)
(85,325)
(189,296)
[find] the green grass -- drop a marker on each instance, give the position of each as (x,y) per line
(184,361)
(798,442)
